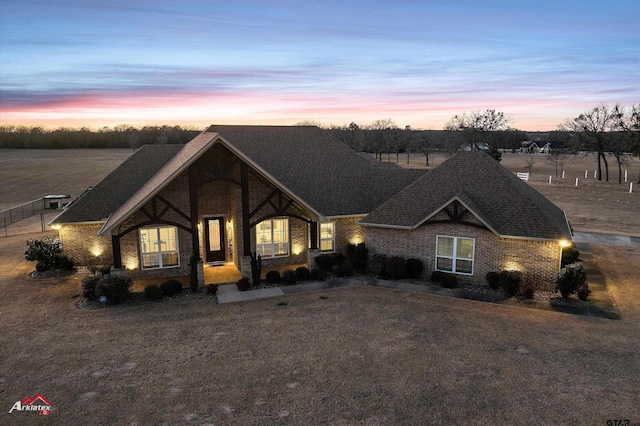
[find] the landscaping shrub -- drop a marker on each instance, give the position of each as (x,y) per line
(325,262)
(570,279)
(302,273)
(338,259)
(358,256)
(289,277)
(344,270)
(171,287)
(436,276)
(378,263)
(212,289)
(448,281)
(116,289)
(153,292)
(318,274)
(396,267)
(383,274)
(493,278)
(510,282)
(273,277)
(104,269)
(48,254)
(243,284)
(414,268)
(570,254)
(89,287)
(528,292)
(584,292)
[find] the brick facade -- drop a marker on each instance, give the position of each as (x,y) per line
(82,243)
(537,260)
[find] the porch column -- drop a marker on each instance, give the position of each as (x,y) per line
(193,212)
(313,235)
(246,225)
(117,254)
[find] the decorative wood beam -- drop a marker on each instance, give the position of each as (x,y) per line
(246,225)
(313,235)
(117,254)
(193,211)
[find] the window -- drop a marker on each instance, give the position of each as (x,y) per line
(327,236)
(272,238)
(159,247)
(454,254)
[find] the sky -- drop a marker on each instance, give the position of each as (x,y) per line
(91,63)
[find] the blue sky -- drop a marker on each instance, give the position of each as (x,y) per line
(103,63)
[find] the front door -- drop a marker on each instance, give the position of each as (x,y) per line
(214,239)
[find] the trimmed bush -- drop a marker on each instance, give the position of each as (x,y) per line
(338,259)
(104,269)
(344,270)
(273,277)
(89,287)
(48,254)
(116,289)
(493,278)
(243,284)
(570,279)
(584,292)
(324,262)
(436,276)
(528,292)
(396,267)
(570,254)
(289,277)
(153,292)
(317,274)
(171,287)
(449,281)
(379,262)
(510,282)
(358,256)
(212,289)
(302,273)
(414,268)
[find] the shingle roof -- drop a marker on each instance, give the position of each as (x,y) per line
(315,167)
(506,204)
(319,169)
(118,186)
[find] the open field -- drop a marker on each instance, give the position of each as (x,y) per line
(361,356)
(30,174)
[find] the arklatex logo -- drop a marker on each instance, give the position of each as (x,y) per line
(38,403)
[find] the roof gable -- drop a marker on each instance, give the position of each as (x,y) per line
(507,205)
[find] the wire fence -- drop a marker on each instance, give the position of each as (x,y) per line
(23,211)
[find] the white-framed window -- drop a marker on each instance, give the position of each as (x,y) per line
(272,238)
(159,247)
(327,236)
(455,254)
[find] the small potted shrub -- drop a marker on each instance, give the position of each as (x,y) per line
(302,273)
(414,268)
(273,277)
(397,267)
(243,284)
(171,287)
(449,281)
(289,277)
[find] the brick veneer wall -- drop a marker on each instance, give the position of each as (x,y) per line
(84,246)
(537,260)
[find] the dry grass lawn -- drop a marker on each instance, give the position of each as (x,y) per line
(360,356)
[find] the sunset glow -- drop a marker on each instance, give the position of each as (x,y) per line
(93,63)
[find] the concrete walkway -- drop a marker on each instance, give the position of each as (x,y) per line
(609,239)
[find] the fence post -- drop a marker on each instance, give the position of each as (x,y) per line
(585,173)
(549,178)
(576,181)
(595,174)
(630,187)
(625,175)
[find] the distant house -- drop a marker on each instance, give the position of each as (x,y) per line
(293,193)
(541,147)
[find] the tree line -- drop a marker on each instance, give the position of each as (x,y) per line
(121,136)
(610,132)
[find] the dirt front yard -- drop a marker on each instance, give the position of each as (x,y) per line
(359,356)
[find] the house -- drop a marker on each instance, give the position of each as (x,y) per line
(541,147)
(291,194)
(470,216)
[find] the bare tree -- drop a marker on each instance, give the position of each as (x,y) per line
(476,126)
(590,129)
(626,141)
